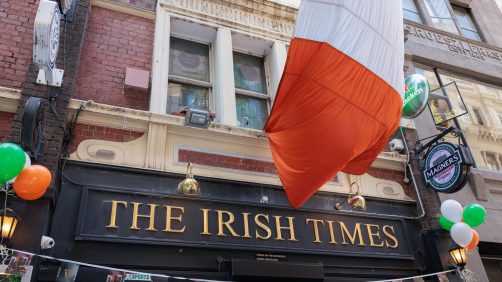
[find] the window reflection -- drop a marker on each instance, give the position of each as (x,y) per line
(440,15)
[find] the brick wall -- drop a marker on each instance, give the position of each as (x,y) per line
(113,42)
(5,124)
(393,175)
(16,38)
(231,162)
(85,131)
(430,198)
(53,131)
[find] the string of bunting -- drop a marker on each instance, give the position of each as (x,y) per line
(109,268)
(184,278)
(418,276)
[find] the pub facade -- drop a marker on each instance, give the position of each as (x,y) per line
(153,86)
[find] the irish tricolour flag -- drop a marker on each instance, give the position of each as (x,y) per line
(340,96)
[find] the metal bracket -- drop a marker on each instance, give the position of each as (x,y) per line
(55,74)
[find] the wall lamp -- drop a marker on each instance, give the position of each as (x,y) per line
(8,221)
(458,254)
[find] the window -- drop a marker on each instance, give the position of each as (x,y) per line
(410,11)
(491,161)
(466,24)
(477,114)
(440,15)
(467,117)
(189,80)
(251,91)
(499,114)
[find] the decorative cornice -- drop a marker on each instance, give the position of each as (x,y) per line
(124,8)
(9,99)
(261,17)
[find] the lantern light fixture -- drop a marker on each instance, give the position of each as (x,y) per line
(8,221)
(458,254)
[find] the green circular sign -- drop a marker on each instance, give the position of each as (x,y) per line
(416,94)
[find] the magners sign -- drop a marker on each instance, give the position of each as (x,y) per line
(445,168)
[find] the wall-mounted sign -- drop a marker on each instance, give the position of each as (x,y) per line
(107,215)
(446,167)
(416,94)
(46,43)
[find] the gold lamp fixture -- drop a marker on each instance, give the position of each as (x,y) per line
(356,200)
(8,221)
(458,254)
(189,186)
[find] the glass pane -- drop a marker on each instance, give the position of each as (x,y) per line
(471,34)
(189,59)
(410,5)
(181,95)
(440,15)
(249,73)
(430,75)
(411,16)
(251,112)
(464,19)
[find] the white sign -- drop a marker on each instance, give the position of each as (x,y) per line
(46,43)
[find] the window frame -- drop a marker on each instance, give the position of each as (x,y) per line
(468,12)
(419,12)
(451,7)
(478,115)
(267,97)
(209,85)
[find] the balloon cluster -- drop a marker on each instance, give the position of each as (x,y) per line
(30,181)
(459,221)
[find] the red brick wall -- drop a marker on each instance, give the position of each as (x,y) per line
(113,42)
(245,164)
(226,161)
(85,131)
(5,124)
(16,38)
(393,175)
(237,163)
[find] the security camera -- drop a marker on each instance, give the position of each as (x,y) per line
(47,242)
(396,145)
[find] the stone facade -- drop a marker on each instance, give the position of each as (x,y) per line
(138,132)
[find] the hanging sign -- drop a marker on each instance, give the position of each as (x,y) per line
(446,168)
(46,43)
(416,94)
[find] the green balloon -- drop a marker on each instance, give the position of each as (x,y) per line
(474,215)
(445,223)
(12,161)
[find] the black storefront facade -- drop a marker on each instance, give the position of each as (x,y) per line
(134,219)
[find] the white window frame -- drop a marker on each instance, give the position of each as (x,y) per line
(193,82)
(267,97)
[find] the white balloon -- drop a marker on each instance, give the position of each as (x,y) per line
(27,163)
(461,233)
(452,210)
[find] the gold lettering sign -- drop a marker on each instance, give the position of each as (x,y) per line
(250,226)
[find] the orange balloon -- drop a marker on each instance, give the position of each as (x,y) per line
(474,242)
(31,197)
(32,182)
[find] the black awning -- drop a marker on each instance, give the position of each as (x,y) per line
(262,270)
